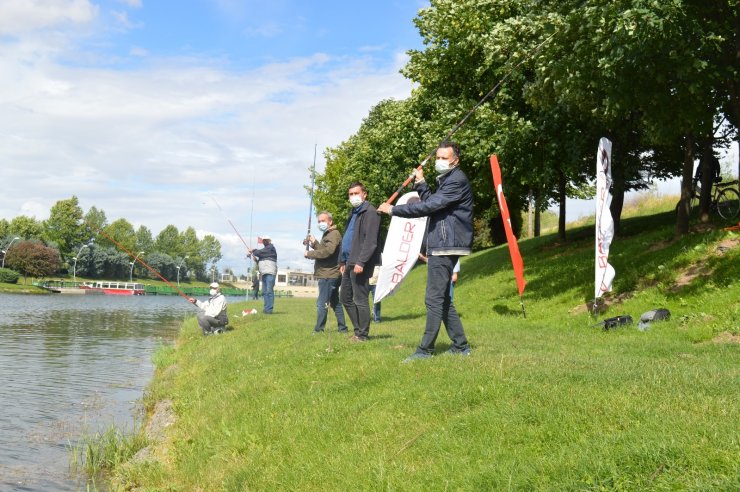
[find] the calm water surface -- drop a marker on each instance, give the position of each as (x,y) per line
(72,365)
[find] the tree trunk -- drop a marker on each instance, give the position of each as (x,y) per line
(617,191)
(561,216)
(707,179)
(682,217)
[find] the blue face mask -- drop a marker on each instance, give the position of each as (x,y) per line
(323,226)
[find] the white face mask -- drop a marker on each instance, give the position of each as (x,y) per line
(356,200)
(442,165)
(214,292)
(323,226)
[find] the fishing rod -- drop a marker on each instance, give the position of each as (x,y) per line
(460,123)
(229,221)
(310,206)
(139,259)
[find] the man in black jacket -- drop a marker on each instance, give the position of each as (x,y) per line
(360,253)
(449,236)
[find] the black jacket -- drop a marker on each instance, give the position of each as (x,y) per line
(365,249)
(450,211)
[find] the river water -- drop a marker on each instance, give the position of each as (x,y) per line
(73,365)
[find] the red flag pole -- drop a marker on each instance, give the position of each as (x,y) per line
(516,257)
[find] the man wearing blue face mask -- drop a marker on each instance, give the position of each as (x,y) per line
(360,253)
(326,271)
(449,236)
(212,316)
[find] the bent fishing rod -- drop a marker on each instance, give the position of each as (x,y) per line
(460,123)
(231,223)
(139,259)
(310,206)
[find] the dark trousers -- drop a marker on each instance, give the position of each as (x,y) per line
(329,298)
(208,323)
(353,294)
(440,308)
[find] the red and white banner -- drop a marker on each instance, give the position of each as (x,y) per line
(401,250)
(516,257)
(604,222)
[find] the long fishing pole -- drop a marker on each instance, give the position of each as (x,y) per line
(310,206)
(229,221)
(465,118)
(140,260)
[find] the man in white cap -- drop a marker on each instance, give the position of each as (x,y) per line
(212,316)
(267,263)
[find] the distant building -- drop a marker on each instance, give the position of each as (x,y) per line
(294,278)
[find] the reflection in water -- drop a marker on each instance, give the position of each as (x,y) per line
(71,365)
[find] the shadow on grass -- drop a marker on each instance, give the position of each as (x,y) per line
(645,250)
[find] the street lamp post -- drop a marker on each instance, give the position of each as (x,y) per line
(178,270)
(5,251)
(74,268)
(132,263)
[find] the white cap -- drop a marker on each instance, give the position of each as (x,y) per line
(266,237)
(214,285)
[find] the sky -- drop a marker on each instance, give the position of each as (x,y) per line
(149,109)
(161,111)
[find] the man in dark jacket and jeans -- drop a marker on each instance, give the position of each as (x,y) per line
(360,253)
(326,270)
(449,236)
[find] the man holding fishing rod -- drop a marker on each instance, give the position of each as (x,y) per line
(267,263)
(212,317)
(449,236)
(326,270)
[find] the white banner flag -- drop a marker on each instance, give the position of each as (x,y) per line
(604,222)
(401,250)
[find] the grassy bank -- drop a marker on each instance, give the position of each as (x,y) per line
(547,402)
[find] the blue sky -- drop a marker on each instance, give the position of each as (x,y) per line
(148,108)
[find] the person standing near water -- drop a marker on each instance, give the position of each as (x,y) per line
(267,263)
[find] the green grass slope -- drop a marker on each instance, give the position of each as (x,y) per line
(545,402)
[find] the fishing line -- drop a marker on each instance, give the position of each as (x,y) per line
(229,221)
(139,259)
(465,118)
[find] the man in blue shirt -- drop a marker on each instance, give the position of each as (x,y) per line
(360,253)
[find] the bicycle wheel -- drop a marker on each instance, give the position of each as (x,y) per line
(728,203)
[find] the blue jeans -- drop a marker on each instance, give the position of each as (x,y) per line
(268,292)
(329,297)
(440,308)
(376,305)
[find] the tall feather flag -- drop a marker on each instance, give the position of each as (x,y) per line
(516,257)
(401,250)
(604,222)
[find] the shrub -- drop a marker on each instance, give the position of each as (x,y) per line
(8,276)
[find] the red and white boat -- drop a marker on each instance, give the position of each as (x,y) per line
(116,288)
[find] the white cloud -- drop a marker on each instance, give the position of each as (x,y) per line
(151,144)
(22,16)
(134,4)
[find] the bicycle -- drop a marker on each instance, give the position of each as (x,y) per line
(725,199)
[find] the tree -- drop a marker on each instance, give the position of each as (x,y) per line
(4,228)
(122,232)
(64,226)
(32,258)
(168,241)
(210,251)
(94,221)
(26,227)
(144,241)
(163,263)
